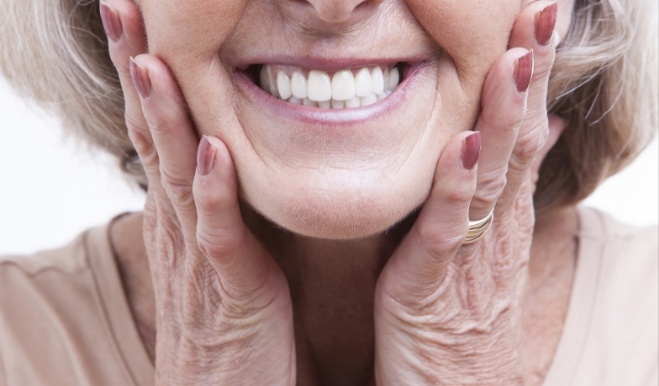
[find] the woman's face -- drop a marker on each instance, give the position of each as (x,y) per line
(319,171)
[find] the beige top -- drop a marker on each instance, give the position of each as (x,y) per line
(64,319)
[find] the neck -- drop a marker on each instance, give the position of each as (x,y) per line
(332,285)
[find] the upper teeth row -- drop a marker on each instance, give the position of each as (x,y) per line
(346,88)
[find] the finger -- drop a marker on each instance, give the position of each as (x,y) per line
(556,127)
(247,272)
(534,28)
(503,105)
(420,261)
(173,135)
(123,26)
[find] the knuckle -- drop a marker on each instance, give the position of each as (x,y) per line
(459,194)
(178,189)
(439,240)
(170,244)
(490,188)
(209,200)
(150,161)
(158,122)
(507,265)
(218,243)
(526,148)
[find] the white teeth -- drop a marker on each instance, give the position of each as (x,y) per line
(309,102)
(338,104)
(319,86)
(368,100)
(343,85)
(299,85)
(363,83)
(354,102)
(283,85)
(394,79)
(344,89)
(377,79)
(268,82)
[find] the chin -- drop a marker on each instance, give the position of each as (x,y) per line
(340,214)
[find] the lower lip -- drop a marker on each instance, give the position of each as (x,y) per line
(315,115)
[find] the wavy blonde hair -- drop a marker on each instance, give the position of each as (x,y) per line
(604,83)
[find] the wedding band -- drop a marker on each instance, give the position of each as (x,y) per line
(478,228)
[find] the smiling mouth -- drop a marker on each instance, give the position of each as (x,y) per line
(346,88)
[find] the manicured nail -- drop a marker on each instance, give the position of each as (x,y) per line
(205,157)
(111,22)
(523,72)
(545,21)
(471,149)
(140,78)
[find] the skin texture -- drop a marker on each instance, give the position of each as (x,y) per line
(238,301)
(326,195)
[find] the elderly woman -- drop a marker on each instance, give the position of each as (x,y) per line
(342,192)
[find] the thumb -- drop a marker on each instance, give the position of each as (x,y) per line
(247,272)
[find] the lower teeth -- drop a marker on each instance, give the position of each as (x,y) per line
(337,105)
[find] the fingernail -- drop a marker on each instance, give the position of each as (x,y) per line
(140,79)
(205,157)
(471,149)
(523,72)
(111,22)
(545,21)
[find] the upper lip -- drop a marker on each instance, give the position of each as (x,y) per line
(328,64)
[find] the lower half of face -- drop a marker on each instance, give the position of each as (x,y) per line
(335,117)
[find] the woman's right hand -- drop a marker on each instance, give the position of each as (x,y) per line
(224,313)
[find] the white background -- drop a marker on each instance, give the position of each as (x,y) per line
(52,189)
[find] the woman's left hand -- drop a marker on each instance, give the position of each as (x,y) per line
(448,313)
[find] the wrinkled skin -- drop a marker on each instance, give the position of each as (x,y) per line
(226,286)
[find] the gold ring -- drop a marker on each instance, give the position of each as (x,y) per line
(478,228)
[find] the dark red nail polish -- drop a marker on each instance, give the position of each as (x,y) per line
(545,21)
(523,72)
(111,22)
(205,157)
(140,78)
(471,149)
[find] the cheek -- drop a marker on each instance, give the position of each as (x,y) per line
(473,33)
(187,35)
(190,29)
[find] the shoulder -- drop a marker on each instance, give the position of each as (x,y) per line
(53,320)
(66,260)
(617,290)
(624,259)
(617,240)
(39,293)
